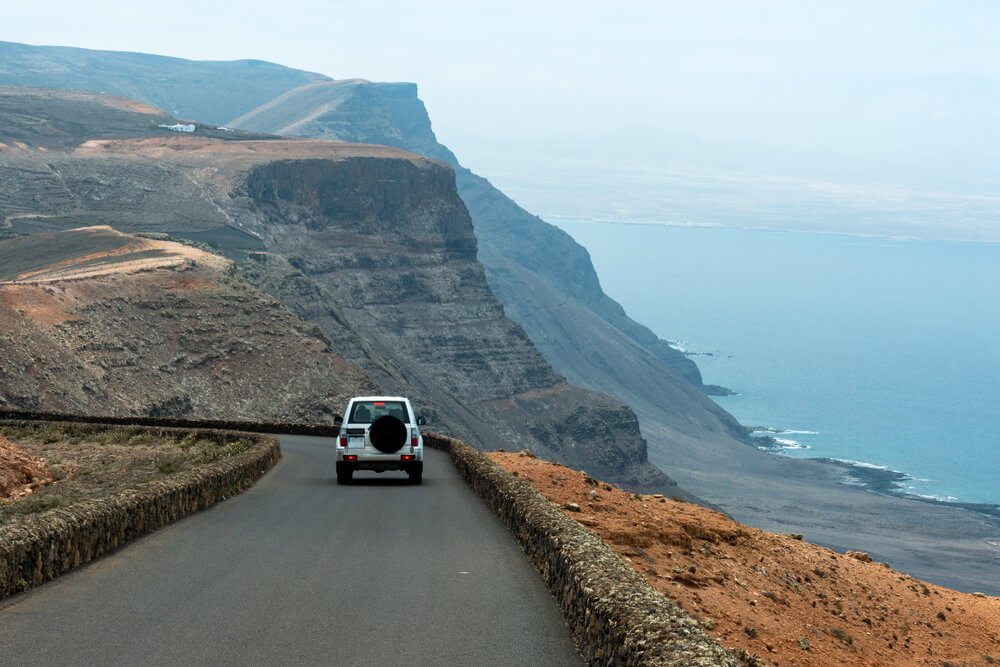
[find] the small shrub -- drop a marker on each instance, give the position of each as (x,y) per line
(35,503)
(168,465)
(842,636)
(236,447)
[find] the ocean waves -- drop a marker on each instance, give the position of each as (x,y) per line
(776,440)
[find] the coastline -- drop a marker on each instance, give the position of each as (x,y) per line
(888,482)
(769,367)
(868,476)
(843,506)
(947,543)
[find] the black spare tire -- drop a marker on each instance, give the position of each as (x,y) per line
(387,434)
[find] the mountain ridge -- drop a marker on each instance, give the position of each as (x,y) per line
(163,81)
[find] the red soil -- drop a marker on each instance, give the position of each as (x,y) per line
(783,599)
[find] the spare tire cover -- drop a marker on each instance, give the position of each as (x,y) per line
(387,434)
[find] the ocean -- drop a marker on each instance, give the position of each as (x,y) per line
(876,351)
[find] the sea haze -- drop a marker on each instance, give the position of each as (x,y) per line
(870,350)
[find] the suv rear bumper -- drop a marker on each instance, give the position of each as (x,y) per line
(380,466)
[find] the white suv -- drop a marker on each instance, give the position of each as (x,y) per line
(380,433)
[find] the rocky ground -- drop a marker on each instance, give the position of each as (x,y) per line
(20,472)
(777,596)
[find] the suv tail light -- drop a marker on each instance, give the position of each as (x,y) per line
(413,438)
(343,441)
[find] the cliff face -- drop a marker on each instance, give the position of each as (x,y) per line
(98,322)
(371,244)
(544,279)
(352,110)
(391,244)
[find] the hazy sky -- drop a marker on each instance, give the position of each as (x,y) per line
(874,80)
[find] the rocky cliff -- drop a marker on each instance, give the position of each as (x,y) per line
(370,243)
(544,279)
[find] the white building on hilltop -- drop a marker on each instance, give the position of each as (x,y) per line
(180,127)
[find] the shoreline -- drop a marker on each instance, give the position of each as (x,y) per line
(947,543)
(886,482)
(868,476)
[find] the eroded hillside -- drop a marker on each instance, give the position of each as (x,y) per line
(98,322)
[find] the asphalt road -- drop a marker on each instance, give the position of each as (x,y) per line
(298,570)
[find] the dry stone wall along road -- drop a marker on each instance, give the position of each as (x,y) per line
(298,570)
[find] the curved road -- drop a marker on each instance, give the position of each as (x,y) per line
(298,570)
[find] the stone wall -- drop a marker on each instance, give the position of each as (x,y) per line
(47,545)
(615,616)
(284,428)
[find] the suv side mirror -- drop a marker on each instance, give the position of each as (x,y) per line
(421,421)
(338,421)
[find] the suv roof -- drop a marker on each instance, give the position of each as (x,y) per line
(379,398)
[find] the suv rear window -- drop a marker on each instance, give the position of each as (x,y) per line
(365,412)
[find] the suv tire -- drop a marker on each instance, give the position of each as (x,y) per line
(416,473)
(345,473)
